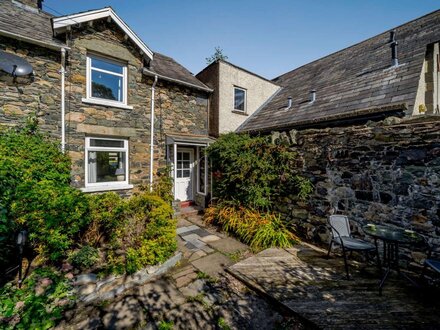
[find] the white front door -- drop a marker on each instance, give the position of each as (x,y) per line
(183,182)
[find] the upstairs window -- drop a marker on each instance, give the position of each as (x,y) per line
(106,80)
(239,99)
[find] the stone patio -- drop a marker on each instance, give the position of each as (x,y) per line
(315,288)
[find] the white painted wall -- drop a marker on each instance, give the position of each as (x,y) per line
(258,91)
(428,93)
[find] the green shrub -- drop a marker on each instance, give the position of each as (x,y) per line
(39,304)
(35,192)
(85,257)
(254,172)
(105,213)
(163,187)
(146,233)
(259,230)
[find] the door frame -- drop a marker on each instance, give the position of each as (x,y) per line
(191,170)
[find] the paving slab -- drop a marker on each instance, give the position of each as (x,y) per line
(183,230)
(191,237)
(228,245)
(212,264)
(200,232)
(181,222)
(210,238)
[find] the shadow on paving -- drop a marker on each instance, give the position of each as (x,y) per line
(160,301)
(315,288)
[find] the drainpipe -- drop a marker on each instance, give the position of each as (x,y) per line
(153,87)
(63,101)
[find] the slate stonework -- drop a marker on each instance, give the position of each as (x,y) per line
(386,173)
(40,96)
(179,110)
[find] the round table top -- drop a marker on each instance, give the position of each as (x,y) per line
(398,235)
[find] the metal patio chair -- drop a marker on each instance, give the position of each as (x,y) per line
(431,262)
(341,235)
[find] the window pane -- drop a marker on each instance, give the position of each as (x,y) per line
(106,166)
(239,97)
(107,86)
(186,156)
(179,173)
(108,66)
(186,173)
(106,143)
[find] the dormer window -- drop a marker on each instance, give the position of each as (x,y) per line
(106,81)
(239,99)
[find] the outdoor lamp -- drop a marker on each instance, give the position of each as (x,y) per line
(21,242)
(21,238)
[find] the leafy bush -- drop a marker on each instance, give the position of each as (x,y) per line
(85,257)
(254,172)
(35,192)
(259,230)
(146,233)
(39,304)
(163,187)
(104,215)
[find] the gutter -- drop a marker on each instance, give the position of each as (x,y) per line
(63,101)
(153,88)
(177,81)
(33,41)
(362,115)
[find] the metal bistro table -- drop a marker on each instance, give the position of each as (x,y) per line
(392,238)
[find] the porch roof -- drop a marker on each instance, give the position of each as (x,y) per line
(192,140)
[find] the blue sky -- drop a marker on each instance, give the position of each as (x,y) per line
(266,37)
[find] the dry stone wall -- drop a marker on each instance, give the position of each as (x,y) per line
(386,173)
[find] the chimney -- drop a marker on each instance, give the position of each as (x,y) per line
(312,96)
(289,103)
(35,4)
(393,45)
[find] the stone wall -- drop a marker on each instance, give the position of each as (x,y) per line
(40,96)
(386,173)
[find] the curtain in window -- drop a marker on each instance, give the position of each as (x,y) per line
(92,168)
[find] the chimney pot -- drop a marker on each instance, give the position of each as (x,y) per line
(289,102)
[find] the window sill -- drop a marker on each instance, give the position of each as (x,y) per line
(107,104)
(109,187)
(238,112)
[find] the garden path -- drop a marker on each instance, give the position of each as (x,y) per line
(198,294)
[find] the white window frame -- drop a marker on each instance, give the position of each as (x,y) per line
(245,99)
(96,100)
(205,159)
(113,185)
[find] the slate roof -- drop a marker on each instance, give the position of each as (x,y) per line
(168,67)
(355,81)
(27,23)
(34,24)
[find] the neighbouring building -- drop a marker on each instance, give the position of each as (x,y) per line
(119,109)
(395,73)
(238,93)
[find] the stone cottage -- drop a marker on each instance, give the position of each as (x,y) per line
(119,109)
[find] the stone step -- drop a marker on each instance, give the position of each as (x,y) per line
(189,211)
